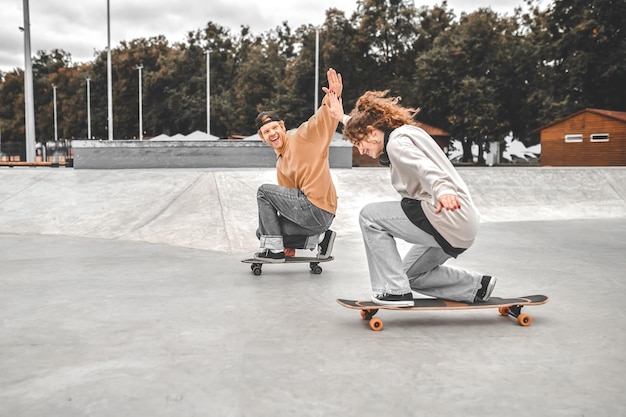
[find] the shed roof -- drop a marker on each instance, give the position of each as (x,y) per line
(432,130)
(617,115)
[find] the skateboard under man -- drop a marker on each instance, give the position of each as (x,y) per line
(257,264)
(506,306)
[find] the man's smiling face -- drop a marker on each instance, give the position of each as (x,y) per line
(274,134)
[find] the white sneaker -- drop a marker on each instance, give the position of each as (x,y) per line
(486,288)
(403,300)
(326,245)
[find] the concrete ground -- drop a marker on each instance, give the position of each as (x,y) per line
(118,299)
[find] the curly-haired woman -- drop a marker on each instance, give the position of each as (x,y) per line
(436,214)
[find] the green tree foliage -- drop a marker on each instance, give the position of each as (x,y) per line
(226,53)
(387,31)
(432,23)
(340,49)
(464,79)
(581,46)
(479,76)
(12,108)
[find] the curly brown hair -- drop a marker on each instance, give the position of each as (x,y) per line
(375,109)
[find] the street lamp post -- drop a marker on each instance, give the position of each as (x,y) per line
(88,108)
(54,95)
(317,67)
(140,67)
(29,95)
(208,93)
(109,75)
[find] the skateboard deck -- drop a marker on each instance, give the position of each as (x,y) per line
(506,306)
(256,265)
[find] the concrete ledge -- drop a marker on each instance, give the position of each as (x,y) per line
(133,154)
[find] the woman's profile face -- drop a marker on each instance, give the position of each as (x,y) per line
(373,144)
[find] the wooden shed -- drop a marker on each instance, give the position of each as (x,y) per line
(441,137)
(590,137)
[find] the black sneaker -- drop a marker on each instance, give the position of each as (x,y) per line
(326,246)
(404,300)
(486,288)
(267,255)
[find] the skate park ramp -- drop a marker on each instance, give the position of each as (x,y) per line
(216,209)
(122,294)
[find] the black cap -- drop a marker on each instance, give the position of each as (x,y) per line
(266,117)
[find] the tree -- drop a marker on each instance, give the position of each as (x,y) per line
(585,44)
(339,49)
(259,80)
(474,115)
(158,59)
(388,30)
(297,95)
(12,112)
(461,84)
(432,23)
(226,53)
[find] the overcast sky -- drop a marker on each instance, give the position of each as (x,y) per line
(79,27)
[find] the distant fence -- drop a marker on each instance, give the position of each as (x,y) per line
(49,153)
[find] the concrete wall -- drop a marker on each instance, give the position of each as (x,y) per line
(126,154)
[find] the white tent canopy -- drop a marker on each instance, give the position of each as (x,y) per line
(197,135)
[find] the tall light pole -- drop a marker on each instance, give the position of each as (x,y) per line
(54,95)
(109,75)
(208,93)
(88,108)
(140,67)
(29,96)
(317,68)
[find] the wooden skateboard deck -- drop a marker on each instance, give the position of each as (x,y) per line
(506,306)
(257,264)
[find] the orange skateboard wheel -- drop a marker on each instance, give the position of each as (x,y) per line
(504,311)
(376,324)
(524,320)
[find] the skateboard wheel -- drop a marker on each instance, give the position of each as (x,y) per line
(524,320)
(316,269)
(256,269)
(376,325)
(504,311)
(364,315)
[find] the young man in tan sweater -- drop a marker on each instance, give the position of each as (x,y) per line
(298,212)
